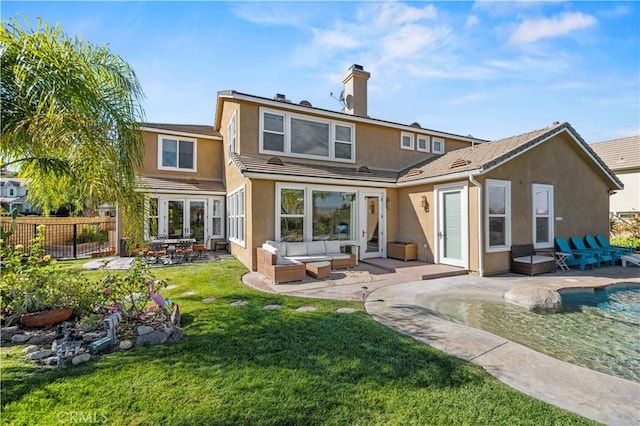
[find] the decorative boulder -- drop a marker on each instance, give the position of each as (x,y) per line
(155,337)
(534,298)
(79,359)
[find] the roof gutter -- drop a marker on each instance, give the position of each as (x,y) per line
(179,133)
(305,179)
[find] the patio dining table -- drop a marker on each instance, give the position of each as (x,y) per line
(172,246)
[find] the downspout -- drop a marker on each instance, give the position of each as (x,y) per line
(480,226)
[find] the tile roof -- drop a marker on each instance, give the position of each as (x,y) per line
(619,154)
(190,185)
(184,128)
(263,165)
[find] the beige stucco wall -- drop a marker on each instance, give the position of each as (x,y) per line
(377,146)
(209,159)
(414,225)
(581,200)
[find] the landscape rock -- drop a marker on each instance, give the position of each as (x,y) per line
(20,338)
(155,337)
(271,307)
(30,349)
(534,298)
(306,309)
(79,359)
(208,299)
(52,360)
(175,336)
(94,335)
(126,344)
(239,303)
(8,332)
(345,310)
(43,339)
(144,329)
(39,354)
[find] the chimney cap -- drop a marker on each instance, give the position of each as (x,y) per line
(357,67)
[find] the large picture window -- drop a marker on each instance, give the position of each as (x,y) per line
(542,215)
(334,215)
(310,213)
(176,153)
(498,211)
(236,225)
(304,136)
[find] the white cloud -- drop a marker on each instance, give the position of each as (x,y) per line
(472,21)
(395,14)
(532,30)
(407,41)
(335,39)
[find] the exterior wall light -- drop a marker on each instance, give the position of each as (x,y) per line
(425,204)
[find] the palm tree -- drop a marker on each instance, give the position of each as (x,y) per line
(69,118)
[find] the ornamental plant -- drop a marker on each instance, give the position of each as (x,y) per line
(35,282)
(129,292)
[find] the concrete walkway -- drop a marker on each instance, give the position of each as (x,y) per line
(411,308)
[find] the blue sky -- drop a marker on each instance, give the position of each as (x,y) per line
(489,69)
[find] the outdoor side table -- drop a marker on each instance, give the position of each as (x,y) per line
(561,260)
(318,270)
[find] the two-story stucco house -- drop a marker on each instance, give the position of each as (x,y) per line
(273,169)
(13,195)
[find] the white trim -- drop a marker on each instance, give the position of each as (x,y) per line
(238,211)
(411,141)
(286,133)
(177,133)
(362,224)
(464,214)
(425,138)
(159,165)
(433,145)
(342,116)
(234,121)
(506,184)
(442,178)
(551,217)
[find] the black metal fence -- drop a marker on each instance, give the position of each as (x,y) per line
(67,240)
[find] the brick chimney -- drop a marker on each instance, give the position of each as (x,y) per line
(355,90)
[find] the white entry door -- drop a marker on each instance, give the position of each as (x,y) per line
(372,225)
(452,225)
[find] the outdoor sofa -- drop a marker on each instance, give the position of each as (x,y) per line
(285,261)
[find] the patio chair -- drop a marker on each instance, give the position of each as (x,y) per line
(600,255)
(615,253)
(574,257)
(604,242)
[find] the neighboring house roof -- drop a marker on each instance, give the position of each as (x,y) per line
(178,185)
(329,113)
(260,165)
(481,158)
(619,154)
(185,129)
(12,181)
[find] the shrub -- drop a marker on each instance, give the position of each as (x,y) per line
(626,242)
(35,282)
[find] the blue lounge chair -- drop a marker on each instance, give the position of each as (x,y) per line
(574,257)
(615,253)
(604,242)
(601,255)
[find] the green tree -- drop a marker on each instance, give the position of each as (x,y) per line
(70,113)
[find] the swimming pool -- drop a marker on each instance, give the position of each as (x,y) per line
(595,328)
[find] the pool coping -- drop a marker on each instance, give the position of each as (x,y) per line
(411,309)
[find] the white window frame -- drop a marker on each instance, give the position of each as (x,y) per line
(435,140)
(411,141)
(550,215)
(236,216)
(178,139)
(232,133)
(427,141)
(507,215)
(332,139)
(219,215)
(308,207)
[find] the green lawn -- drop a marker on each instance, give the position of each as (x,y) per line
(248,365)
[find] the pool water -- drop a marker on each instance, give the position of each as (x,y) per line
(598,329)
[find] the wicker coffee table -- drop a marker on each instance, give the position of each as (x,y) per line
(318,269)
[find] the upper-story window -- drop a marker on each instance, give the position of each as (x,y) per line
(304,136)
(437,145)
(176,153)
(11,192)
(231,133)
(406,141)
(423,143)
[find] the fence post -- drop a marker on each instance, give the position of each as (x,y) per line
(75,240)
